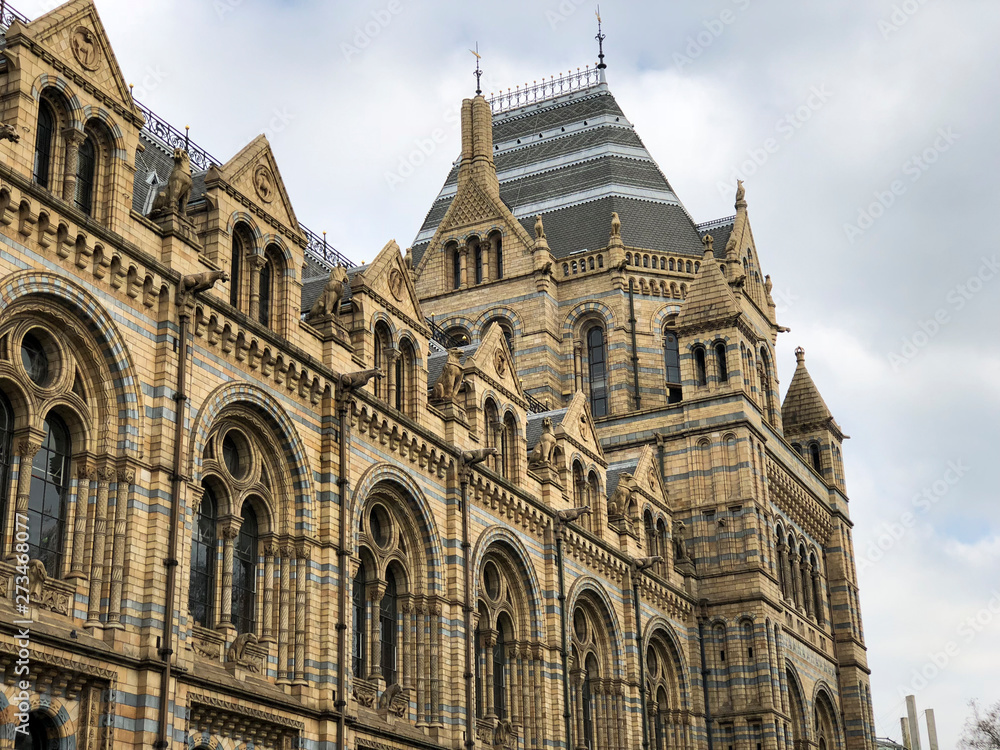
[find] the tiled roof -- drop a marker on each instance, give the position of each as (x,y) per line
(803,404)
(533,430)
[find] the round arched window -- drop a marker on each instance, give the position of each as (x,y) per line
(35,359)
(235,454)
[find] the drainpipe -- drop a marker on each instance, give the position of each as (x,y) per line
(704,674)
(467,460)
(562,518)
(638,566)
(635,348)
(661,449)
(346,385)
(188,287)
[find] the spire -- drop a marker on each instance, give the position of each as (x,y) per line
(478,73)
(601,65)
(709,299)
(804,408)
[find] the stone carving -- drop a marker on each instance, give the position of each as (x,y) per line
(396,284)
(175,198)
(500,362)
(37,576)
(450,381)
(199,282)
(740,191)
(394,700)
(542,454)
(9,133)
(616,226)
(620,501)
(328,304)
(503,733)
(240,654)
(539,228)
(708,241)
(364,693)
(84,46)
(206,648)
(680,553)
(351,380)
(263,183)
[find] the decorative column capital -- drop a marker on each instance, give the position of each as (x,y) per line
(374,591)
(27,449)
(230,529)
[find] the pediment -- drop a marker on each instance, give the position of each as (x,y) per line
(254,173)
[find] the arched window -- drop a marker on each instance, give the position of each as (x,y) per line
(591,672)
(405,378)
(359,601)
(47,501)
(700,373)
(498,252)
(500,669)
(494,436)
(459,336)
(245,573)
(672,359)
(380,350)
(456,268)
(814,457)
(201,592)
(6,442)
(86,169)
(266,282)
(43,143)
(242,244)
(42,733)
(720,358)
(651,546)
(388,629)
(477,254)
(597,366)
(508,443)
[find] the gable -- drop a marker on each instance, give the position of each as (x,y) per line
(388,278)
(647,474)
(254,173)
(493,358)
(74,34)
(578,426)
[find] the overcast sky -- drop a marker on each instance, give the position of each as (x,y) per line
(824,108)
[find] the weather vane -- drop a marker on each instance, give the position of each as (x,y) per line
(479,73)
(600,40)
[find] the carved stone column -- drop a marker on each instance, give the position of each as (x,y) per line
(489,639)
(301,603)
(796,578)
(421,671)
(498,459)
(228,530)
(807,589)
(85,476)
(391,355)
(578,365)
(485,257)
(405,646)
(74,139)
(513,687)
(255,263)
(463,264)
(267,616)
(104,477)
(817,585)
(26,451)
(283,588)
(374,593)
(126,479)
(539,682)
(577,676)
(783,569)
(435,663)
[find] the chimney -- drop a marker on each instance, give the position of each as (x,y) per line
(931,730)
(477,146)
(905,731)
(911,715)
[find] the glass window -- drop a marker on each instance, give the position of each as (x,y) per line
(498,249)
(456,269)
(266,289)
(42,733)
(720,356)
(245,573)
(500,674)
(6,443)
(235,269)
(43,143)
(34,359)
(596,361)
(360,624)
(47,501)
(388,626)
(814,456)
(478,254)
(587,701)
(699,366)
(201,592)
(672,357)
(86,166)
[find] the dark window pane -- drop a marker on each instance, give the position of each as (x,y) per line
(43,143)
(47,498)
(388,630)
(86,166)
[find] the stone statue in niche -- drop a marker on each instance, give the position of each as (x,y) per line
(542,454)
(450,381)
(175,198)
(328,303)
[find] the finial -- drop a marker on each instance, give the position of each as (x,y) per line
(479,72)
(707,241)
(600,40)
(187,137)
(740,194)
(324,240)
(800,355)
(539,228)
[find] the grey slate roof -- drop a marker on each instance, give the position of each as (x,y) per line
(314,279)
(720,231)
(615,472)
(157,158)
(436,362)
(575,160)
(533,429)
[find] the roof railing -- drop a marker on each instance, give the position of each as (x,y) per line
(554,87)
(8,15)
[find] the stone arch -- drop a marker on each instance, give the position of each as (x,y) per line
(659,627)
(22,285)
(499,535)
(503,312)
(796,704)
(60,84)
(384,472)
(242,217)
(591,309)
(293,450)
(588,587)
(90,112)
(279,242)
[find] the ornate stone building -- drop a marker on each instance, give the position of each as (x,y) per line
(527,485)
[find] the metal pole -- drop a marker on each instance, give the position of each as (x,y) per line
(343,555)
(635,348)
(564,653)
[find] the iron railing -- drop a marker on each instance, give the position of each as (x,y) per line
(320,250)
(159,128)
(8,15)
(548,89)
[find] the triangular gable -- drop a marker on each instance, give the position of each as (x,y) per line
(578,425)
(647,474)
(709,298)
(74,33)
(493,358)
(387,277)
(254,172)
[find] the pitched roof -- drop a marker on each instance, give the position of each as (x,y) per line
(575,159)
(803,406)
(709,297)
